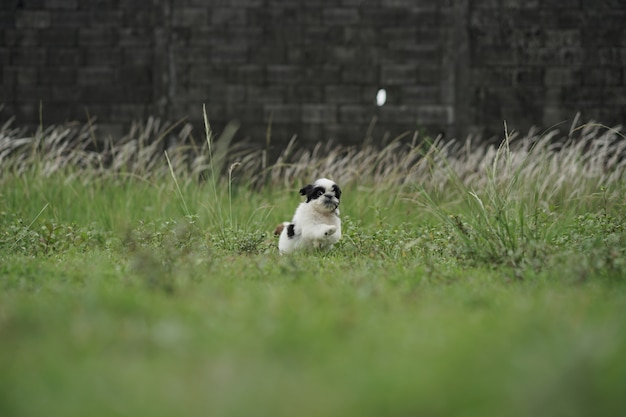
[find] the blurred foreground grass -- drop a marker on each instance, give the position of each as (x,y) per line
(264,335)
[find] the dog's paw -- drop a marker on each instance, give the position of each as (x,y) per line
(330,230)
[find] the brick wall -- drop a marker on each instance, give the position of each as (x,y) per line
(313,67)
(538,62)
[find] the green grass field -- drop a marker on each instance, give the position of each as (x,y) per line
(471,280)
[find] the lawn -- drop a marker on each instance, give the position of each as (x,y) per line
(471,280)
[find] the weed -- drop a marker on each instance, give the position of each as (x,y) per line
(49,237)
(515,211)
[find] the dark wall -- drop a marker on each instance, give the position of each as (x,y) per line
(313,67)
(538,62)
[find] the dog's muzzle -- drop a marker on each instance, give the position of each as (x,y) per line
(331,202)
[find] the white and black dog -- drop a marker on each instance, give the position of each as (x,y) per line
(316,224)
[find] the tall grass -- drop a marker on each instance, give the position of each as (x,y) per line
(506,202)
(560,166)
(515,198)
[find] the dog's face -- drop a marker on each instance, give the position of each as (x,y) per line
(324,195)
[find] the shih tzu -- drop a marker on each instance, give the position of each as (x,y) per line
(315,224)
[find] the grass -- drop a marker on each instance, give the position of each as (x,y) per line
(471,279)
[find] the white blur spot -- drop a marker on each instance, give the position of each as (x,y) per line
(381,97)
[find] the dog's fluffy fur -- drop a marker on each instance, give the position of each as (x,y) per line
(316,224)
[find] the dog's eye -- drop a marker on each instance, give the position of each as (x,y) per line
(320,193)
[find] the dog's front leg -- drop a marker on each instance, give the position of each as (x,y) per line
(319,233)
(325,231)
(329,230)
(323,235)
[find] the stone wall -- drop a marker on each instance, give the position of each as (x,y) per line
(313,67)
(538,62)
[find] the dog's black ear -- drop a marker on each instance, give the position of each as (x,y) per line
(306,189)
(337,191)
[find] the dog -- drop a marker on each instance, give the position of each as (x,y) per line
(316,224)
